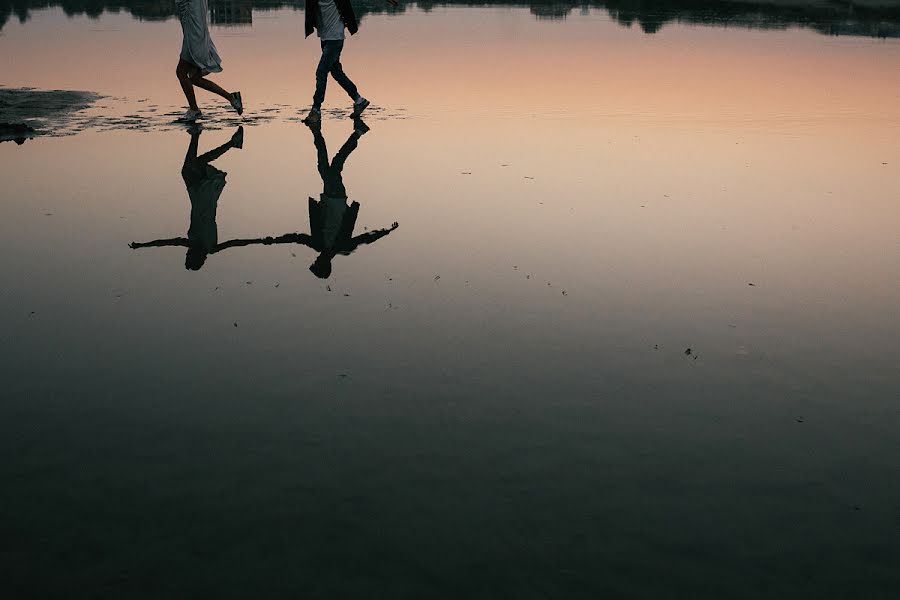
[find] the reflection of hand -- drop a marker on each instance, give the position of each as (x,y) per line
(394,225)
(132,245)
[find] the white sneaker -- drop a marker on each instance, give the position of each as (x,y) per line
(190,116)
(236,103)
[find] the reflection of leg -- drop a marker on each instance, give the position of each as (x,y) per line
(344,153)
(338,73)
(331,52)
(183,72)
(217,152)
(191,155)
(321,152)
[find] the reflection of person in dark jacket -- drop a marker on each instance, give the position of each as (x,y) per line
(204,185)
(329,18)
(331,220)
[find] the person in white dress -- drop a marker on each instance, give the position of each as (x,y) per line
(199,58)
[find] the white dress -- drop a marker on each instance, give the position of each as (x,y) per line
(197,47)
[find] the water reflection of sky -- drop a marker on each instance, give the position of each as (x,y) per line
(502,383)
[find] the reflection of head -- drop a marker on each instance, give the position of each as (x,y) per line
(194,259)
(321,268)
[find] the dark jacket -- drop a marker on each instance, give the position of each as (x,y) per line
(344,9)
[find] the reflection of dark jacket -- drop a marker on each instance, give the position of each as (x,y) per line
(344,241)
(344,9)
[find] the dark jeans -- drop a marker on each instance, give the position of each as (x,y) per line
(331,63)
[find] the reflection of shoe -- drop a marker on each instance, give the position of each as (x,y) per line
(237,140)
(195,128)
(359,106)
(190,116)
(236,103)
(360,127)
(314,117)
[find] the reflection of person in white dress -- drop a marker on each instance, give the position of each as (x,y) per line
(199,58)
(204,185)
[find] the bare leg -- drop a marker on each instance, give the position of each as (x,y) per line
(189,76)
(183,71)
(201,82)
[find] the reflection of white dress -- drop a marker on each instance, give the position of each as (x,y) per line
(197,47)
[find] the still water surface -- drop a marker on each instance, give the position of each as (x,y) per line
(634,335)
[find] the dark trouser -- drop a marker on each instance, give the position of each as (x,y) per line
(331,63)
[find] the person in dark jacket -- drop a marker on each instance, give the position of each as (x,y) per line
(329,18)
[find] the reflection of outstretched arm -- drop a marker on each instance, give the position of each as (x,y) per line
(160,243)
(370,237)
(288,238)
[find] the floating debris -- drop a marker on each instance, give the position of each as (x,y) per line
(656,346)
(249,283)
(436,277)
(235,323)
(688,352)
(565,293)
(346,295)
(799,419)
(527,177)
(277,284)
(752,284)
(328,288)
(466,173)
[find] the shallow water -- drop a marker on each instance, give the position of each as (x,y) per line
(635,334)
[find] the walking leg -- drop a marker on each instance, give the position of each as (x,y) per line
(183,72)
(331,52)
